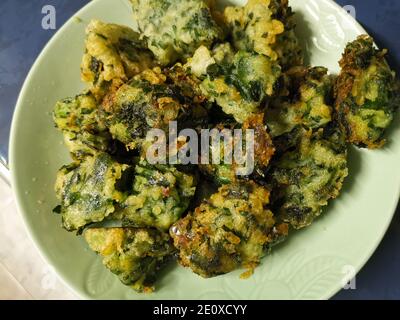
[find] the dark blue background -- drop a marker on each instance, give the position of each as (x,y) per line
(22,38)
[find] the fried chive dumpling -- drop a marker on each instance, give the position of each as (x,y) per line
(88,190)
(367,92)
(145,102)
(230,230)
(188,85)
(160,195)
(114,54)
(226,173)
(134,255)
(77,118)
(239,83)
(309,102)
(265,27)
(174,29)
(309,174)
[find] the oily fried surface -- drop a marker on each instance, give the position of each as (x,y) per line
(174,29)
(266,27)
(238,82)
(113,54)
(308,101)
(262,152)
(367,93)
(221,167)
(308,174)
(135,255)
(263,146)
(145,102)
(160,195)
(189,85)
(232,229)
(78,119)
(87,190)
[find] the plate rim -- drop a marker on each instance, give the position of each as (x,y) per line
(18,193)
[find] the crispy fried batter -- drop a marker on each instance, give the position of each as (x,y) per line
(266,27)
(226,173)
(160,195)
(367,93)
(88,190)
(78,119)
(174,29)
(238,82)
(263,146)
(308,103)
(114,54)
(230,230)
(307,176)
(147,102)
(134,255)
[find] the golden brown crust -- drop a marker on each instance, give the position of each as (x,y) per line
(263,146)
(230,230)
(367,93)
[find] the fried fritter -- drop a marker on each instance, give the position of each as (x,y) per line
(239,83)
(230,230)
(225,173)
(266,27)
(174,29)
(160,195)
(87,190)
(146,102)
(237,70)
(309,174)
(78,119)
(309,102)
(114,54)
(368,93)
(134,255)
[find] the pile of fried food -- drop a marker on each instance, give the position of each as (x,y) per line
(241,67)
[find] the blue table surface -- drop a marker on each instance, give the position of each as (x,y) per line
(22,38)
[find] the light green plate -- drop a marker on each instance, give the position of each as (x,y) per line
(312,264)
